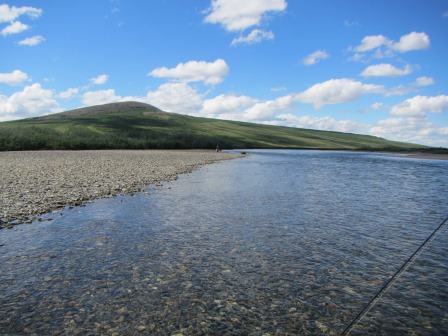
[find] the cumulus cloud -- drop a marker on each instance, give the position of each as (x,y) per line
(16,77)
(226,106)
(336,91)
(9,14)
(325,123)
(393,127)
(424,81)
(176,97)
(420,106)
(385,70)
(100,97)
(211,73)
(70,93)
(99,80)
(255,36)
(410,42)
(235,15)
(409,129)
(385,47)
(372,42)
(32,101)
(267,110)
(171,97)
(14,28)
(32,41)
(315,57)
(244,108)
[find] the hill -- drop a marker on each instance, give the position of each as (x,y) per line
(134,125)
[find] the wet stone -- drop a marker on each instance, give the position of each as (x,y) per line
(141,266)
(33,183)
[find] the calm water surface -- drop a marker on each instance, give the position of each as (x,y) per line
(279,243)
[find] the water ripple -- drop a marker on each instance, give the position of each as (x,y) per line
(280,243)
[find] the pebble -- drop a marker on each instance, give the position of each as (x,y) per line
(33,183)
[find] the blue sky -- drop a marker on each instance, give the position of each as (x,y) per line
(371,67)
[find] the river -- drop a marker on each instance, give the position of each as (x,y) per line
(278,243)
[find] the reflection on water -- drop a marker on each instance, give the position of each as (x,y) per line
(279,243)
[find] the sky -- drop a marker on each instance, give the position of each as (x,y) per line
(369,67)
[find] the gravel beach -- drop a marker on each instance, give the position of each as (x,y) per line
(34,183)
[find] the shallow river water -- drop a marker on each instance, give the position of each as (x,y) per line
(278,243)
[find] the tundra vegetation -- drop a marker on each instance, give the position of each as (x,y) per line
(132,125)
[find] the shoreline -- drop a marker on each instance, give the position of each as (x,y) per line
(419,156)
(33,183)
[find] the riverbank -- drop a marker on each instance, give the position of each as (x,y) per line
(36,182)
(425,156)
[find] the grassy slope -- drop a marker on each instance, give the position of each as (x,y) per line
(142,126)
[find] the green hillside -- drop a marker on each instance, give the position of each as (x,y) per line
(133,125)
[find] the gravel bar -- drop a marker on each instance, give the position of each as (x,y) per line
(37,182)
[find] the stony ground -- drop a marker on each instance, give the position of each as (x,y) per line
(33,183)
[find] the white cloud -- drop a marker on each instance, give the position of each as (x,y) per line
(32,101)
(8,14)
(226,106)
(424,81)
(316,57)
(100,97)
(99,80)
(244,108)
(385,47)
(420,106)
(255,36)
(32,41)
(14,78)
(236,15)
(70,93)
(210,73)
(322,123)
(385,70)
(176,97)
(413,130)
(399,90)
(336,91)
(445,15)
(14,28)
(394,128)
(410,42)
(171,97)
(378,106)
(267,110)
(371,42)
